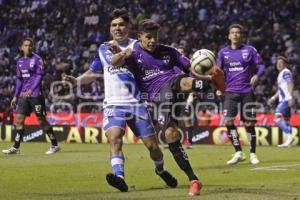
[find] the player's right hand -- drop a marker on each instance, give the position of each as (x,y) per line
(127,52)
(114,47)
(270,102)
(13,102)
(70,79)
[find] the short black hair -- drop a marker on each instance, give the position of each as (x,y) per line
(148,25)
(27,39)
(119,12)
(239,26)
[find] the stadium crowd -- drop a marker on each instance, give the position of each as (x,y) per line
(67,34)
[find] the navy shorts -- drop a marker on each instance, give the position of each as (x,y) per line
(167,107)
(243,103)
(31,104)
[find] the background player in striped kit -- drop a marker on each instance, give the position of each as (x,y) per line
(284,95)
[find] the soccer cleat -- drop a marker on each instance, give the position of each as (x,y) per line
(53,149)
(168,178)
(253,159)
(287,144)
(116,182)
(11,150)
(237,157)
(189,146)
(195,187)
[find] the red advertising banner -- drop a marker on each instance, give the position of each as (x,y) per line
(95,119)
(266,136)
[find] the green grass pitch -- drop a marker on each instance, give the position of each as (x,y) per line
(78,172)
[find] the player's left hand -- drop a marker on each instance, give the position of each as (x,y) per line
(114,47)
(254,80)
(27,93)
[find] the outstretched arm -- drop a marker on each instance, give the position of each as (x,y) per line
(85,78)
(118,59)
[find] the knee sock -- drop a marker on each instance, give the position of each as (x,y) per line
(234,137)
(117,165)
(251,132)
(18,138)
(51,135)
(190,133)
(159,165)
(284,126)
(182,159)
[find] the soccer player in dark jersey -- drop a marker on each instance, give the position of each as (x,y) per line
(153,66)
(28,96)
(242,66)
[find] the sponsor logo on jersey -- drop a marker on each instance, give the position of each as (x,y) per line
(151,72)
(235,66)
(113,70)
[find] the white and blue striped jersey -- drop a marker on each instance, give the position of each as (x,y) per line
(119,83)
(284,77)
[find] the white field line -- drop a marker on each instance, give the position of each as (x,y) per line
(276,167)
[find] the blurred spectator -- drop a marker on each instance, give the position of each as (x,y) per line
(8,117)
(204,117)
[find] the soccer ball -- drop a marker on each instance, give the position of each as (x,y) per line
(203,61)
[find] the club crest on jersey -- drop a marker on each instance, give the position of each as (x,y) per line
(245,55)
(140,59)
(32,63)
(166,59)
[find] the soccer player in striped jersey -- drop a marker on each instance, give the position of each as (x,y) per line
(284,95)
(122,104)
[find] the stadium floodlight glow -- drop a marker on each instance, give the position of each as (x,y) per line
(62,84)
